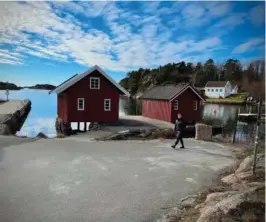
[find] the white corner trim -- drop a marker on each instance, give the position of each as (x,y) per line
(77,78)
(105,101)
(83,104)
(99,83)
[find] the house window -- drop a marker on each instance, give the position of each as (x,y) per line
(176,105)
(216,90)
(107,105)
(94,83)
(212,90)
(80,104)
(208,90)
(195,105)
(221,90)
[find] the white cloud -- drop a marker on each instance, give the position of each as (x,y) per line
(249,46)
(218,9)
(11,58)
(150,7)
(11,62)
(257,15)
(231,21)
(36,28)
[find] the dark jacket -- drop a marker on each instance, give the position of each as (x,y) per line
(180,125)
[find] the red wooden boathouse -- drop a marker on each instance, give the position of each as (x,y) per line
(92,96)
(164,103)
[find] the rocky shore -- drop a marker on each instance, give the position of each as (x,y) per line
(237,195)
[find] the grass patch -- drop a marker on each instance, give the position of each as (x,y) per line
(239,98)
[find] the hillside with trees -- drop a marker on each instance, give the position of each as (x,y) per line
(250,78)
(10,86)
(42,86)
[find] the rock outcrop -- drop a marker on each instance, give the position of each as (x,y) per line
(240,197)
(231,205)
(245,201)
(247,163)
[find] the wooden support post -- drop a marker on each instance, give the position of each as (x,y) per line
(235,129)
(78,126)
(85,126)
(257,137)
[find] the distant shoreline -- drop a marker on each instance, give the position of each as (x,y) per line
(12,86)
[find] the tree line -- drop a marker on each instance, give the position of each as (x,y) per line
(12,86)
(250,78)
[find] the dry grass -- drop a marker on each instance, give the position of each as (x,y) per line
(59,135)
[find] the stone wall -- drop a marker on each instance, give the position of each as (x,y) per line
(16,120)
(203,132)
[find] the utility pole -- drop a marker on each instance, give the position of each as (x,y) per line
(257,136)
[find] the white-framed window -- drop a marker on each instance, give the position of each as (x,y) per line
(216,90)
(107,105)
(221,90)
(212,90)
(208,90)
(94,83)
(195,105)
(176,105)
(80,104)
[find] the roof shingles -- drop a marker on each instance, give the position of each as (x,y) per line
(165,92)
(216,84)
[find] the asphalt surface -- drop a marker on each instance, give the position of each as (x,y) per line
(79,180)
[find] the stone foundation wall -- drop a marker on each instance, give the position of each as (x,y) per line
(16,120)
(203,132)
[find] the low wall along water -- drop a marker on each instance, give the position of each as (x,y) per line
(15,121)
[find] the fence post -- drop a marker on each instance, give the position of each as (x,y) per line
(257,137)
(234,134)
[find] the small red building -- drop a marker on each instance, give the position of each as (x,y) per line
(92,96)
(164,103)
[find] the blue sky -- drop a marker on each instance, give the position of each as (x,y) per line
(47,42)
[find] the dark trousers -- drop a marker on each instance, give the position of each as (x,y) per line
(179,137)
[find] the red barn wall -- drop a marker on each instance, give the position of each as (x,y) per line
(94,101)
(157,109)
(185,106)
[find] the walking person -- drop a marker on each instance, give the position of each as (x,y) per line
(179,131)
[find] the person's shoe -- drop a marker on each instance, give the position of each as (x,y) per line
(173,146)
(182,147)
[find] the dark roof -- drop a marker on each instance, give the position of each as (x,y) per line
(165,92)
(216,84)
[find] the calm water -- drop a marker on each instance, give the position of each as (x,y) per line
(43,112)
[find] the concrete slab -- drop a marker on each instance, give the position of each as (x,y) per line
(7,108)
(82,180)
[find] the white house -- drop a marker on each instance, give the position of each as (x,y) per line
(218,89)
(234,89)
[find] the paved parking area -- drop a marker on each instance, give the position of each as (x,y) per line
(115,181)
